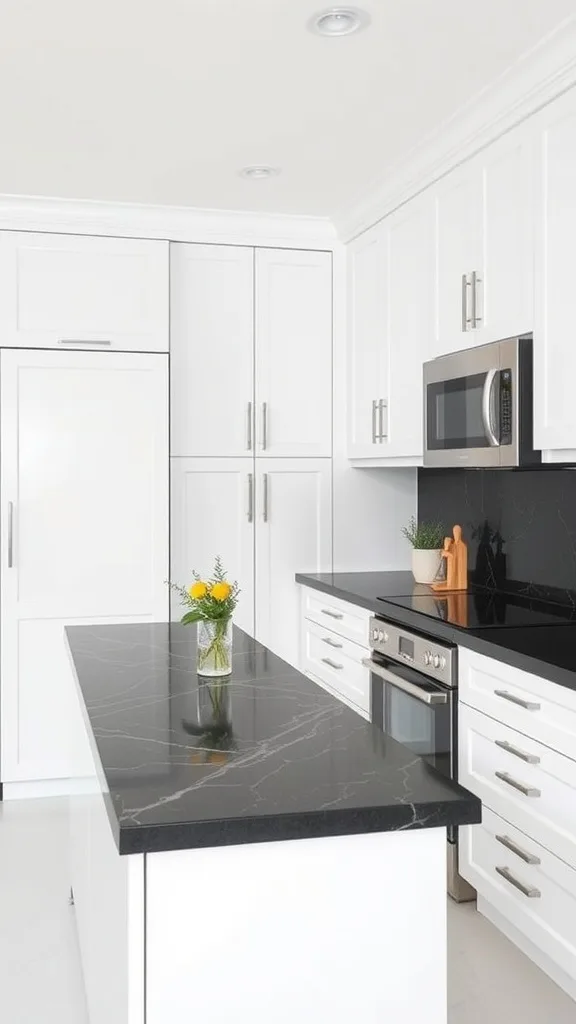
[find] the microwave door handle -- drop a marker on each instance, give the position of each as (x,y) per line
(404,685)
(487,404)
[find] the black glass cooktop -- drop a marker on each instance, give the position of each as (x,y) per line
(477,609)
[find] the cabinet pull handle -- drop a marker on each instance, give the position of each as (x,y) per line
(249,427)
(528,858)
(250,497)
(526,790)
(511,749)
(332,664)
(382,404)
(333,615)
(265,503)
(264,426)
(10,534)
(527,890)
(529,705)
(81,341)
(465,318)
(374,415)
(474,289)
(332,643)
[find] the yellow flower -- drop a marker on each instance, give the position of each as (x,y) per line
(198,590)
(221,591)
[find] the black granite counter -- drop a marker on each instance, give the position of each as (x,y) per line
(548,650)
(267,756)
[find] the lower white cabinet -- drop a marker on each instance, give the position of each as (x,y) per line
(268,520)
(84,533)
(329,649)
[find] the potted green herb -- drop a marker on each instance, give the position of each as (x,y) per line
(427,540)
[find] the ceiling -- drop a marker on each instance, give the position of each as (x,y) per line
(163,101)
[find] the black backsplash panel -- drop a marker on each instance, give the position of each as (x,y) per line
(520,525)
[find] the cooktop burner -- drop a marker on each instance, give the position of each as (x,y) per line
(479,608)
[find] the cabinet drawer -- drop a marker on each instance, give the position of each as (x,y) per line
(343,618)
(527,783)
(338,663)
(537,707)
(544,909)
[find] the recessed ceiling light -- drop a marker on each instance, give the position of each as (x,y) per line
(259,171)
(339,21)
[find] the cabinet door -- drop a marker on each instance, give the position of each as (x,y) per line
(84,533)
(212,349)
(213,514)
(459,204)
(554,352)
(411,307)
(75,291)
(293,353)
(367,341)
(293,534)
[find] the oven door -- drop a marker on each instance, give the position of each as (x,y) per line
(415,711)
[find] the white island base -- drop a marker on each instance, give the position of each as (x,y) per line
(316,930)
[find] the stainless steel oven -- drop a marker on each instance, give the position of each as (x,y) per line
(478,407)
(414,700)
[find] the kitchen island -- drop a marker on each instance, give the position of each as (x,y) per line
(252,847)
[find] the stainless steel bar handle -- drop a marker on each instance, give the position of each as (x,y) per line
(404,685)
(333,664)
(81,341)
(529,758)
(487,402)
(374,417)
(465,318)
(528,858)
(250,497)
(332,615)
(10,534)
(510,781)
(529,705)
(265,503)
(249,427)
(474,288)
(332,643)
(382,404)
(264,426)
(527,890)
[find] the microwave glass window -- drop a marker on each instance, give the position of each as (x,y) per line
(455,417)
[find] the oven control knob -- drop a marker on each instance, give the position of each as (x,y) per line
(374,634)
(382,636)
(386,637)
(442,662)
(427,657)
(436,661)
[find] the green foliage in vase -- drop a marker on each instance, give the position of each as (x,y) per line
(210,600)
(424,536)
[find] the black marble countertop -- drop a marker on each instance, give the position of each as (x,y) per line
(268,755)
(548,651)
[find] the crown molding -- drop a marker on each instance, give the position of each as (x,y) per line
(177,224)
(531,83)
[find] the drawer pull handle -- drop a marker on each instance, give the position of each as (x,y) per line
(332,643)
(527,890)
(332,664)
(332,615)
(511,749)
(528,705)
(528,858)
(526,790)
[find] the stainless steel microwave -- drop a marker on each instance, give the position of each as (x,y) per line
(478,407)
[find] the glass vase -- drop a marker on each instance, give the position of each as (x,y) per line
(214,653)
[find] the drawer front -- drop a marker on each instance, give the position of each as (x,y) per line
(525,782)
(534,706)
(531,887)
(346,619)
(338,663)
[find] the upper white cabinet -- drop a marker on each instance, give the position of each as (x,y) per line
(554,352)
(77,291)
(367,343)
(84,533)
(212,350)
(293,381)
(460,269)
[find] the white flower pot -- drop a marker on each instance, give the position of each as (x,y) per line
(425,564)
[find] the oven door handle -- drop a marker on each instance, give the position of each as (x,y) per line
(403,684)
(487,417)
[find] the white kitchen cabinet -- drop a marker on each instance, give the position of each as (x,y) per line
(368,384)
(293,329)
(213,514)
(78,291)
(84,533)
(293,534)
(212,350)
(337,665)
(459,204)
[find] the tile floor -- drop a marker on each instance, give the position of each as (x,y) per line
(490,981)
